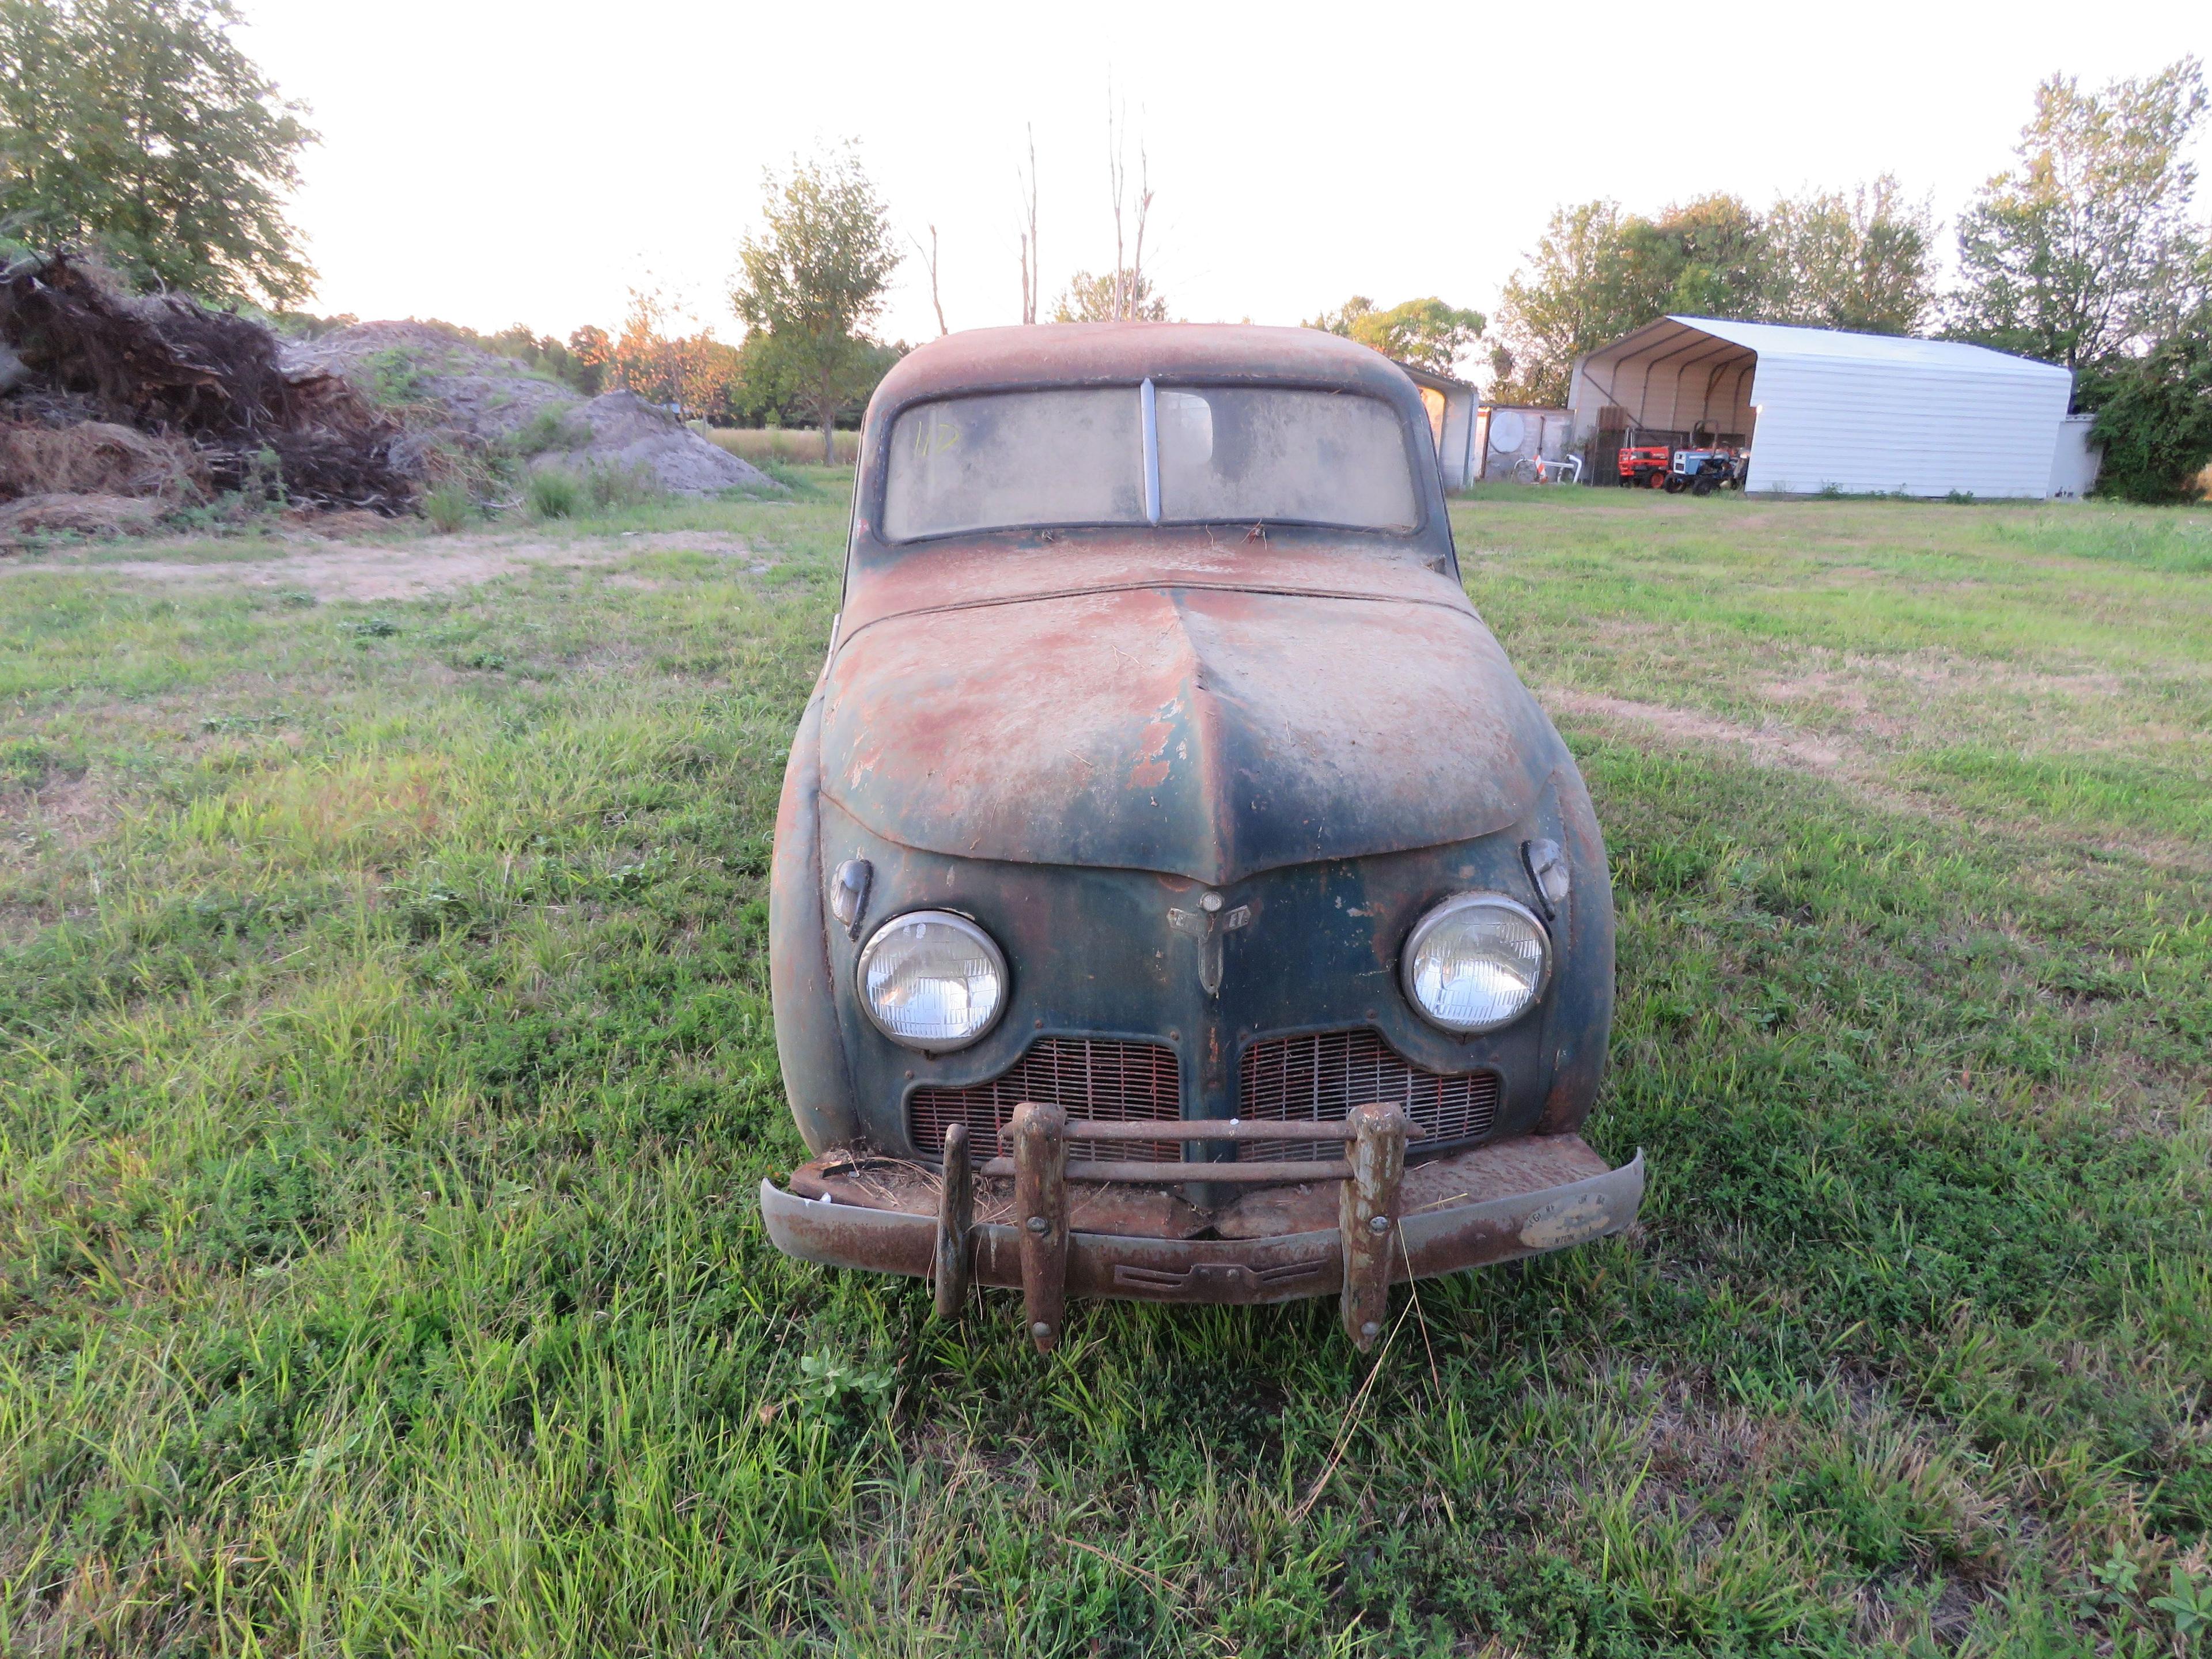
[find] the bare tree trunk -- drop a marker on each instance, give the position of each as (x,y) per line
(827,408)
(1032,280)
(929,255)
(1115,174)
(1144,211)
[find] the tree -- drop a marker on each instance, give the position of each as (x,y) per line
(2154,416)
(1426,333)
(692,373)
(138,128)
(594,352)
(817,280)
(773,385)
(2086,249)
(1340,321)
(1571,298)
(1704,258)
(1107,298)
(1859,263)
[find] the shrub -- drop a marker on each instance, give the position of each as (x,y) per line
(449,506)
(2154,418)
(553,494)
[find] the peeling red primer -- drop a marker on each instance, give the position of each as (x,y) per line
(1153,764)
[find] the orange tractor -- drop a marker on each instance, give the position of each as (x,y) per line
(1644,466)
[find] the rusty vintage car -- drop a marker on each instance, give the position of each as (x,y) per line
(1176,893)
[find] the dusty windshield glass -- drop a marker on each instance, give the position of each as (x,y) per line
(1247,453)
(1016,457)
(1075,456)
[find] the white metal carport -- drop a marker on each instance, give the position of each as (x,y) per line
(1821,409)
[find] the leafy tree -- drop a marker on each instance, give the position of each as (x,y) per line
(1572,297)
(2154,416)
(816,281)
(1859,263)
(1088,299)
(591,350)
(2086,248)
(691,372)
(1705,258)
(773,385)
(139,128)
(1427,333)
(1340,321)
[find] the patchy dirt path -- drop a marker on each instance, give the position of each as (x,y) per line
(1859,771)
(410,569)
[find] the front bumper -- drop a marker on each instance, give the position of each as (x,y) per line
(1352,1235)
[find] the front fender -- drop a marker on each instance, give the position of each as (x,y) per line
(816,1079)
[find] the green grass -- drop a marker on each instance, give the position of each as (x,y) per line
(388,1069)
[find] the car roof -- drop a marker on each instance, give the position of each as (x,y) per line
(1077,354)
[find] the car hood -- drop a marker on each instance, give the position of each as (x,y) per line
(1199,731)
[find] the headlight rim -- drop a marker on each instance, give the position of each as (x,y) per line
(961,923)
(1443,910)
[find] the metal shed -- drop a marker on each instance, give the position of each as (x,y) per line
(1822,408)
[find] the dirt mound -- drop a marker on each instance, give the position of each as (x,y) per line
(83,514)
(628,432)
(168,366)
(477,393)
(98,457)
(488,400)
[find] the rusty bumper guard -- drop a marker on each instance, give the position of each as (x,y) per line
(847,1211)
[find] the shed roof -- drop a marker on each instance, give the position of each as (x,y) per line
(1777,341)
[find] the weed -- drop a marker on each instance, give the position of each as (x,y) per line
(396,378)
(370,628)
(25,762)
(553,494)
(612,486)
(449,506)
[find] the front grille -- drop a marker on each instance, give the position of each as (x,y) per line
(1319,1078)
(1091,1077)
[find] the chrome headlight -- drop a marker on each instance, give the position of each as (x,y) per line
(1477,962)
(932,980)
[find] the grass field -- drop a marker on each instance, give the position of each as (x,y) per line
(387,1071)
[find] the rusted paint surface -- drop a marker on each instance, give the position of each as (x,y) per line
(1041,1212)
(1193,732)
(1506,1169)
(956,1217)
(1275,1268)
(1367,1217)
(816,1076)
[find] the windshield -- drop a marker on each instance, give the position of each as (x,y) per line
(1240,454)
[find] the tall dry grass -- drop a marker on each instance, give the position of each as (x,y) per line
(783,444)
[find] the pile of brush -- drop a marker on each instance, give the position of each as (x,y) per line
(126,406)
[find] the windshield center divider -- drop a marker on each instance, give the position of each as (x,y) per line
(1150,401)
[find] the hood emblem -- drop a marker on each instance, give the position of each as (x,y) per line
(1206,925)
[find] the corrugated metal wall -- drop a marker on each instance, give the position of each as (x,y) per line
(1864,428)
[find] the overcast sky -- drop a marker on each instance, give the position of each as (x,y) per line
(489,164)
